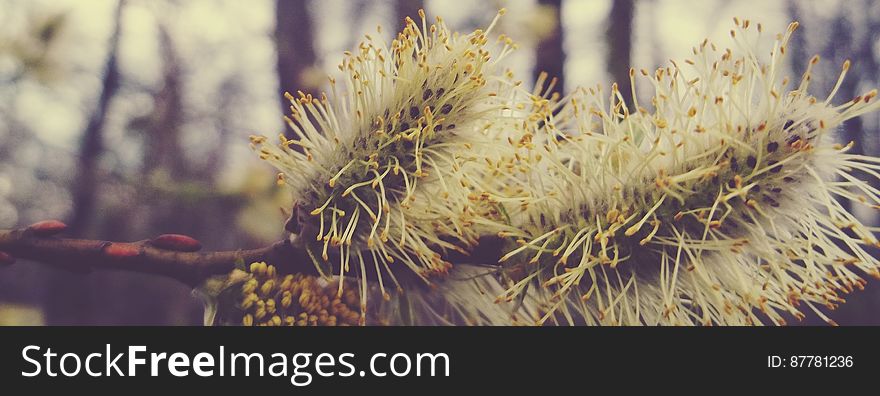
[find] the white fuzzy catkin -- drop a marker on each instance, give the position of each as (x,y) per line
(375,168)
(718,206)
(466,296)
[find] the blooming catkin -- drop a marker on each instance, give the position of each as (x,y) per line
(268,298)
(375,169)
(721,205)
(262,296)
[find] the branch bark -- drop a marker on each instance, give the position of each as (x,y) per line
(176,256)
(170,255)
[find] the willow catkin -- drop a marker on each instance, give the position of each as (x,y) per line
(376,168)
(721,205)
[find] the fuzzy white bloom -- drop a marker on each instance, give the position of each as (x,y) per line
(375,168)
(719,206)
(466,296)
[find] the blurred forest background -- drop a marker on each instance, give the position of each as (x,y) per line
(128,119)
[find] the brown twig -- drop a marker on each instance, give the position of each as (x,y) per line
(175,256)
(171,255)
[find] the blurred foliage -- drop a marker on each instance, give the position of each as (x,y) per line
(32,51)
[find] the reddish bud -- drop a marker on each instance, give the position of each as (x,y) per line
(6,259)
(121,250)
(176,242)
(47,227)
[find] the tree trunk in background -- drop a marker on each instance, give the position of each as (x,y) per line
(68,301)
(294,41)
(618,36)
(797,46)
(550,53)
(406,8)
(162,151)
(836,52)
(160,199)
(84,190)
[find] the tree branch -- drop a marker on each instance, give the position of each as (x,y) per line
(178,256)
(172,255)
